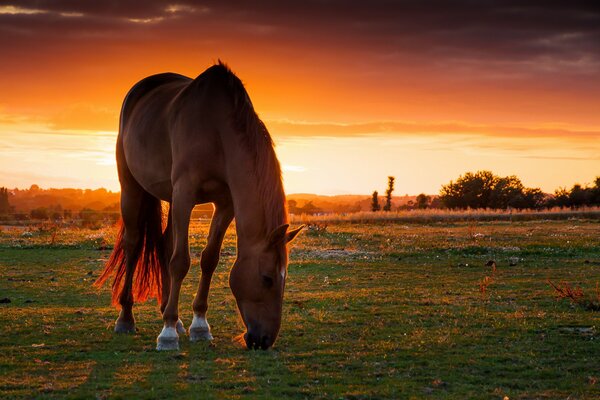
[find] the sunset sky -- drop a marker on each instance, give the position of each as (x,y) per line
(351,91)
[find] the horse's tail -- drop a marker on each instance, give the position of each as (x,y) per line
(150,256)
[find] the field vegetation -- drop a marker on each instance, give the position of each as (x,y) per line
(372,310)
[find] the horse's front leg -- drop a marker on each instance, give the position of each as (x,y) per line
(179,265)
(200,329)
(165,276)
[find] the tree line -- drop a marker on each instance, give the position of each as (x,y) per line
(484,189)
(481,189)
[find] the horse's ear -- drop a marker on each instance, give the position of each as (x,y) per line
(278,235)
(289,236)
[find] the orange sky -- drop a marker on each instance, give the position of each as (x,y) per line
(350,94)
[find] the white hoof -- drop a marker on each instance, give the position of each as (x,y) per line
(180,328)
(200,330)
(168,339)
(197,335)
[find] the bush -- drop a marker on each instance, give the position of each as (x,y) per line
(483,189)
(40,213)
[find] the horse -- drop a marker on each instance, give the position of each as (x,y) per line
(190,141)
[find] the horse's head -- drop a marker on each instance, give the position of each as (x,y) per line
(257,281)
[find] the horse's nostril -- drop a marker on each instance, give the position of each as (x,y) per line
(252,341)
(256,341)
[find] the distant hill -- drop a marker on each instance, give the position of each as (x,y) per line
(25,200)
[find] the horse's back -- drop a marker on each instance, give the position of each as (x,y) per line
(143,132)
(145,86)
(172,127)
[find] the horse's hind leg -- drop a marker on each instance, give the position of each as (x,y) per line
(200,329)
(131,203)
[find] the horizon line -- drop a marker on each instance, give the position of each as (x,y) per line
(287,194)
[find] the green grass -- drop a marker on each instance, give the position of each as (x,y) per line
(371,311)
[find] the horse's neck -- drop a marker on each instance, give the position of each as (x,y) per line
(249,206)
(249,213)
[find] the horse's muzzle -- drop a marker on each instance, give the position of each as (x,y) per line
(256,341)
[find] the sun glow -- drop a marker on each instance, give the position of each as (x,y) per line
(421,162)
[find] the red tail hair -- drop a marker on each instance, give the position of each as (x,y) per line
(150,257)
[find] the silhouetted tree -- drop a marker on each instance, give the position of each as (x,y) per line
(596,191)
(375,202)
(578,196)
(388,194)
(292,206)
(310,208)
(39,213)
(4,204)
(469,190)
(533,198)
(506,192)
(423,201)
(561,197)
(436,203)
(483,189)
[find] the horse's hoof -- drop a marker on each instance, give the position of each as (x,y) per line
(168,339)
(199,334)
(167,344)
(124,327)
(180,328)
(200,330)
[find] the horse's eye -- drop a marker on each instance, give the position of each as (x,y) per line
(267,281)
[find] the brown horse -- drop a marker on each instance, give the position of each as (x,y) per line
(186,142)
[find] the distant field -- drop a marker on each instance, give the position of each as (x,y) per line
(379,310)
(433,215)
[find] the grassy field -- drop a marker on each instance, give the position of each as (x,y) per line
(387,310)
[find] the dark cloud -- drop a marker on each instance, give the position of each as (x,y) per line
(509,30)
(432,47)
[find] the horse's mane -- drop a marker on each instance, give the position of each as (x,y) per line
(258,141)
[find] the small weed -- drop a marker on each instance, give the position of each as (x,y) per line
(483,285)
(487,280)
(316,228)
(577,296)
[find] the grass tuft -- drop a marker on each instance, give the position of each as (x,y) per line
(577,296)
